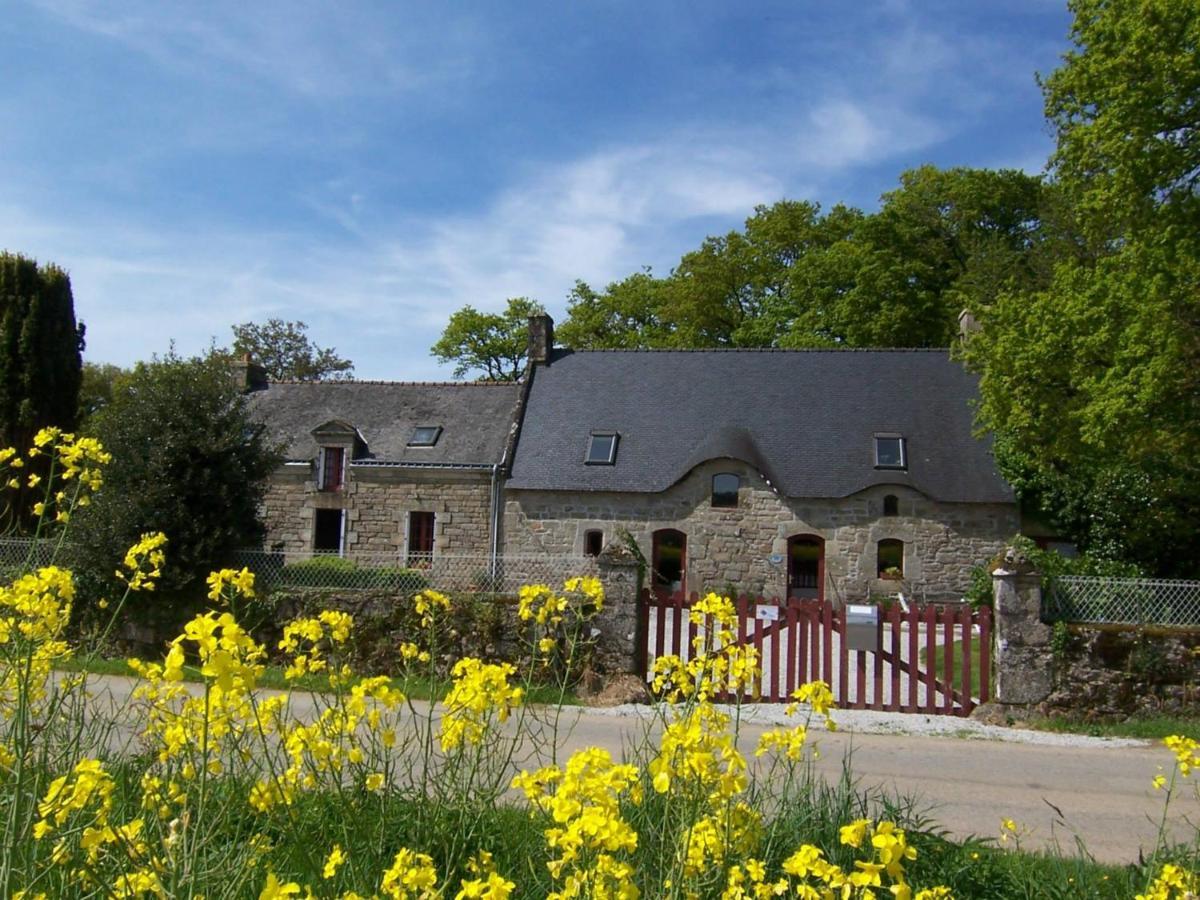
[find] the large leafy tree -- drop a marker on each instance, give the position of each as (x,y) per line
(1092,381)
(795,276)
(287,353)
(493,344)
(187,461)
(41,348)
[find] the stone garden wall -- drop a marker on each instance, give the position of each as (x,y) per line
(1084,671)
(732,548)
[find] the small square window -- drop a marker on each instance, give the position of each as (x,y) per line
(889,452)
(602,449)
(593,543)
(425,435)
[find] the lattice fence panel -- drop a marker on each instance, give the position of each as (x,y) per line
(1123,601)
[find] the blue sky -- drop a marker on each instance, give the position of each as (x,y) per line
(371,167)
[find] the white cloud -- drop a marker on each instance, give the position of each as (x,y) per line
(309,49)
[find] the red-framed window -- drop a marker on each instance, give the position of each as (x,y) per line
(333,467)
(420,537)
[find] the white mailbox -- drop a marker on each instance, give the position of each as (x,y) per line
(862,627)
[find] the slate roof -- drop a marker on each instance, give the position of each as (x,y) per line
(475,418)
(806,419)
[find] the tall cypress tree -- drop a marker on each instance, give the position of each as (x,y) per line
(41,350)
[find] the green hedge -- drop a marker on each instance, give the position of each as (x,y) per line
(338,572)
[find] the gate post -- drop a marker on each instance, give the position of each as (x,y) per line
(618,647)
(1024,670)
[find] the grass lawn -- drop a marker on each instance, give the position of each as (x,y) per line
(939,661)
(1148,728)
(273,679)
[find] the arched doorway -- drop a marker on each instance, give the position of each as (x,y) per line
(806,566)
(668,559)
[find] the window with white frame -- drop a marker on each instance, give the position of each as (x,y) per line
(331,469)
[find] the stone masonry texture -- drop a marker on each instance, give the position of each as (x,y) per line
(733,547)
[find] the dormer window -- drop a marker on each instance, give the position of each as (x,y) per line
(889,452)
(602,448)
(425,435)
(331,469)
(725,487)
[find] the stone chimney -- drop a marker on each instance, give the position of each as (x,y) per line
(541,338)
(249,376)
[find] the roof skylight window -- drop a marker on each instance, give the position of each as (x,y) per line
(425,435)
(602,448)
(889,452)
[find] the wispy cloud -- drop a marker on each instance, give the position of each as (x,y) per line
(308,49)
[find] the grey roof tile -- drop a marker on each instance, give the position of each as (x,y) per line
(806,419)
(475,418)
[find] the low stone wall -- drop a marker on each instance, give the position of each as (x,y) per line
(1109,673)
(480,625)
(1083,671)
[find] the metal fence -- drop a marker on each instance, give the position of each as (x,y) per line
(19,554)
(1123,601)
(385,572)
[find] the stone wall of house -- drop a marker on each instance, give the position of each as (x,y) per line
(746,547)
(377,503)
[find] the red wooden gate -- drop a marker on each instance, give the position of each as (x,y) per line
(921,664)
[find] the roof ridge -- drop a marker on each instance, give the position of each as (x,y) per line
(382,382)
(759,350)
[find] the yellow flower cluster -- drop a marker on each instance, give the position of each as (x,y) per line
(1187,753)
(718,664)
(1172,883)
(34,611)
(583,802)
(241,583)
(808,874)
(487,884)
(88,785)
(557,618)
(305,639)
(480,690)
(71,459)
(411,876)
(541,605)
(144,561)
(427,603)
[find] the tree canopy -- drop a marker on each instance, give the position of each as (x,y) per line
(41,347)
(1091,380)
(795,276)
(187,461)
(494,344)
(287,353)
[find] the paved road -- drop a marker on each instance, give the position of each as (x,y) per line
(1102,790)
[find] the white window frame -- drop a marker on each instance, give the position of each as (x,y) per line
(341,547)
(321,466)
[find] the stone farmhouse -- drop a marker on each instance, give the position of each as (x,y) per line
(820,473)
(403,471)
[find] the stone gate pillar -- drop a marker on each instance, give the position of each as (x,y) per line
(1024,663)
(617,644)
